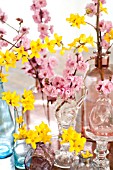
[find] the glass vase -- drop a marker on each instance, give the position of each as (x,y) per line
(100,129)
(41,158)
(6,122)
(66,114)
(43,111)
(91,79)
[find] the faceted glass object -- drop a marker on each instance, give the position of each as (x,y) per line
(66,114)
(85,163)
(42,158)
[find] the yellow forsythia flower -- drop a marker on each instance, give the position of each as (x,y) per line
(76,20)
(19,119)
(3,77)
(87,154)
(28,100)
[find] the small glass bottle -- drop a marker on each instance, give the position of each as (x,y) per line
(85,164)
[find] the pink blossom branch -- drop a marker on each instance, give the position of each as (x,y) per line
(11,26)
(17,41)
(91,25)
(7,41)
(109,48)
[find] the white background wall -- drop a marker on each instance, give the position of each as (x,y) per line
(59,11)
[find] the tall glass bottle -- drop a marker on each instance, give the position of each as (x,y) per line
(6,122)
(93,75)
(6,134)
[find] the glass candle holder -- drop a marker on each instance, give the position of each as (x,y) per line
(20,151)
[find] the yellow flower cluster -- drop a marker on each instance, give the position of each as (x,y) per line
(32,137)
(80,43)
(26,100)
(75,140)
(76,20)
(8,59)
(37,46)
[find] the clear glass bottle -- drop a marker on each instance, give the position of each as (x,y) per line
(6,134)
(91,79)
(6,121)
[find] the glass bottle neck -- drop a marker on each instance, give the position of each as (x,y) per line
(102,62)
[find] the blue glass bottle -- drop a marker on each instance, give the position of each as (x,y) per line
(6,128)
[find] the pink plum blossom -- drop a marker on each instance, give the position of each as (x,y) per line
(46,16)
(41,3)
(43,73)
(3,16)
(53,61)
(67,72)
(79,57)
(78,83)
(71,64)
(34,6)
(36,17)
(105,86)
(65,93)
(38,4)
(24,30)
(105,44)
(3,44)
(50,91)
(102,1)
(105,26)
(51,29)
(82,66)
(91,9)
(2,32)
(43,29)
(24,41)
(58,81)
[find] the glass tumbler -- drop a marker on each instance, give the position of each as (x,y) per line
(20,151)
